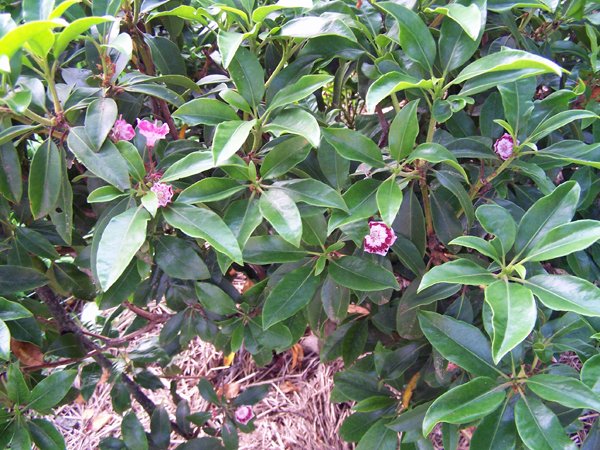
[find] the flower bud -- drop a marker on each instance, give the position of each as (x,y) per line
(504,146)
(122,131)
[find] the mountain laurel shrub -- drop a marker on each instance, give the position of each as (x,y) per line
(416,183)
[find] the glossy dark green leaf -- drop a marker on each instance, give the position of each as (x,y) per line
(120,241)
(229,138)
(389,199)
(36,243)
(496,220)
(539,427)
(205,111)
(271,249)
(166,55)
(361,202)
(133,432)
(107,163)
(44,179)
(191,164)
(451,183)
(557,121)
(415,39)
(496,430)
(361,274)
(299,90)
(62,215)
(292,293)
(436,153)
(16,279)
(590,373)
(99,120)
(248,76)
(51,390)
(465,403)
(354,146)
(566,293)
(160,429)
(133,159)
(45,435)
(565,390)
(281,212)
(11,184)
(459,271)
(16,388)
(210,190)
(205,224)
(215,299)
(459,342)
(284,156)
(514,313)
(312,192)
(378,437)
(391,83)
(177,258)
(295,121)
(404,131)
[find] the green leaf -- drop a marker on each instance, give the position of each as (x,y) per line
(567,391)
(120,241)
(215,299)
(497,221)
(415,39)
(390,83)
(459,342)
(16,388)
(133,433)
(228,43)
(468,17)
(465,403)
(566,293)
(104,194)
(508,60)
(354,146)
(166,55)
(295,121)
(99,120)
(4,341)
(361,274)
(107,163)
(284,156)
(514,314)
(497,430)
(44,179)
(51,390)
(14,39)
(547,213)
(205,111)
(229,138)
(315,27)
(436,153)
(361,202)
(16,279)
(271,250)
(389,198)
(378,437)
(574,152)
(260,13)
(210,190)
(160,426)
(298,90)
(590,374)
(248,76)
(177,258)
(192,164)
(312,192)
(11,182)
(557,121)
(517,102)
(205,224)
(62,215)
(281,212)
(565,239)
(21,440)
(292,293)
(449,181)
(74,29)
(460,271)
(481,245)
(36,243)
(45,435)
(539,428)
(404,131)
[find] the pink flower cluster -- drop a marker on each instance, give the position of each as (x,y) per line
(123,131)
(504,146)
(380,238)
(164,193)
(244,414)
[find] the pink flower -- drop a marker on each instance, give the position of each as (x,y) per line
(380,238)
(164,193)
(152,132)
(122,131)
(504,146)
(244,414)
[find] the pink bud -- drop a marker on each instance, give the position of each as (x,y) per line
(244,414)
(380,238)
(152,132)
(122,131)
(164,193)
(504,146)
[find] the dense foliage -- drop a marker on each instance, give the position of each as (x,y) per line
(415,182)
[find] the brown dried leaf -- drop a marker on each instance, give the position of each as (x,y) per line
(360,310)
(27,353)
(297,355)
(287,387)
